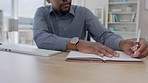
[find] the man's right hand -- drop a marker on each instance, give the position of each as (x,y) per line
(95,48)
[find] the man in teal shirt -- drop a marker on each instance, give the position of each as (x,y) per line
(62,26)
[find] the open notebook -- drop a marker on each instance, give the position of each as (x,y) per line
(26,49)
(75,55)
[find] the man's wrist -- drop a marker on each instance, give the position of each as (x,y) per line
(121,45)
(72,44)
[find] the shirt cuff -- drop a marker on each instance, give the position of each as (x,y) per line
(62,43)
(116,44)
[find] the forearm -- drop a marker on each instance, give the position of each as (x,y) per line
(51,41)
(104,36)
(112,40)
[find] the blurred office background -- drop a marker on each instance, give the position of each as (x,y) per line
(23,12)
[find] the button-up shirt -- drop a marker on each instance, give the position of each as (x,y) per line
(52,31)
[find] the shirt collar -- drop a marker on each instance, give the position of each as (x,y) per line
(70,12)
(50,9)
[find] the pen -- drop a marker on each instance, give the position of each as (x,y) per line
(138,38)
(135,47)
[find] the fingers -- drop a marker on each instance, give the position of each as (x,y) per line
(134,48)
(106,51)
(139,52)
(94,51)
(88,47)
(111,52)
(96,48)
(144,54)
(127,46)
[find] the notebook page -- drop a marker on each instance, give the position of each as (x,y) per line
(123,57)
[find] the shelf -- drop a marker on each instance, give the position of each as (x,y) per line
(25,26)
(120,23)
(125,35)
(122,3)
(123,32)
(25,30)
(122,12)
(122,15)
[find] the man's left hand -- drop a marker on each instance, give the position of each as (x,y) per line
(128,46)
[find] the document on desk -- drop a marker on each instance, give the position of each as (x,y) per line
(75,55)
(27,49)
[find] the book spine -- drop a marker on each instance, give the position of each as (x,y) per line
(110,18)
(133,19)
(116,18)
(113,18)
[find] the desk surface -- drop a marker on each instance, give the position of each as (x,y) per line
(17,68)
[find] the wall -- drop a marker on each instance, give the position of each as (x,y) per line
(29,9)
(92,4)
(143,20)
(95,3)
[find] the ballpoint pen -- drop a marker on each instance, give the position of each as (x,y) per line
(138,38)
(136,46)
